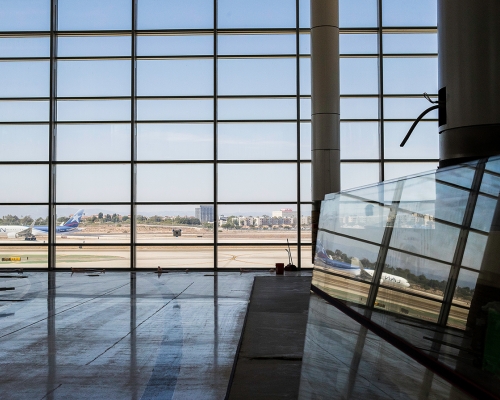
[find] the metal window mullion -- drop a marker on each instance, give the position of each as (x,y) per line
(461,243)
(381,91)
(384,245)
(297,49)
(215,136)
(133,137)
(51,256)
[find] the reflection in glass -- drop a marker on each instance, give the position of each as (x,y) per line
(85,256)
(175,182)
(490,183)
(174,224)
(175,141)
(474,250)
(262,182)
(93,183)
(24,142)
(464,290)
(257,141)
(483,213)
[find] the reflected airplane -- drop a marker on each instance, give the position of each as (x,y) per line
(356,268)
(30,232)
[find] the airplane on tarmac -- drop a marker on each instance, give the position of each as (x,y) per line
(356,268)
(30,232)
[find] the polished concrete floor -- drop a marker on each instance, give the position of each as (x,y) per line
(120,335)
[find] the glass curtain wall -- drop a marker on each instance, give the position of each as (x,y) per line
(182,129)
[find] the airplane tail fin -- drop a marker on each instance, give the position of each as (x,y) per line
(75,219)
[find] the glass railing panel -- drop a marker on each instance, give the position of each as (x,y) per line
(460,176)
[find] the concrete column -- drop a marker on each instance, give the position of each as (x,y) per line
(469,79)
(325,104)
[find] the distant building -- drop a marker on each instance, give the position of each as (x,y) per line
(285,213)
(204,213)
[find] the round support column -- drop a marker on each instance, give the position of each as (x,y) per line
(325,105)
(469,79)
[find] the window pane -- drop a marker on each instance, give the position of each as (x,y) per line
(257,141)
(93,46)
(93,224)
(305,223)
(93,142)
(14,227)
(357,13)
(93,183)
(354,133)
(78,15)
(175,182)
(266,182)
(24,142)
(410,43)
(305,108)
(34,187)
(19,111)
(407,108)
(409,13)
(175,141)
(24,78)
(394,170)
(256,14)
(305,76)
(359,108)
(93,257)
(230,109)
(24,47)
(156,224)
(358,76)
(305,43)
(305,13)
(483,213)
(410,75)
(256,76)
(93,78)
(356,43)
(474,250)
(25,15)
(305,182)
(182,257)
(175,109)
(175,14)
(305,141)
(258,223)
(31,257)
(466,283)
(174,77)
(93,110)
(423,142)
(247,256)
(256,44)
(173,45)
(358,174)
